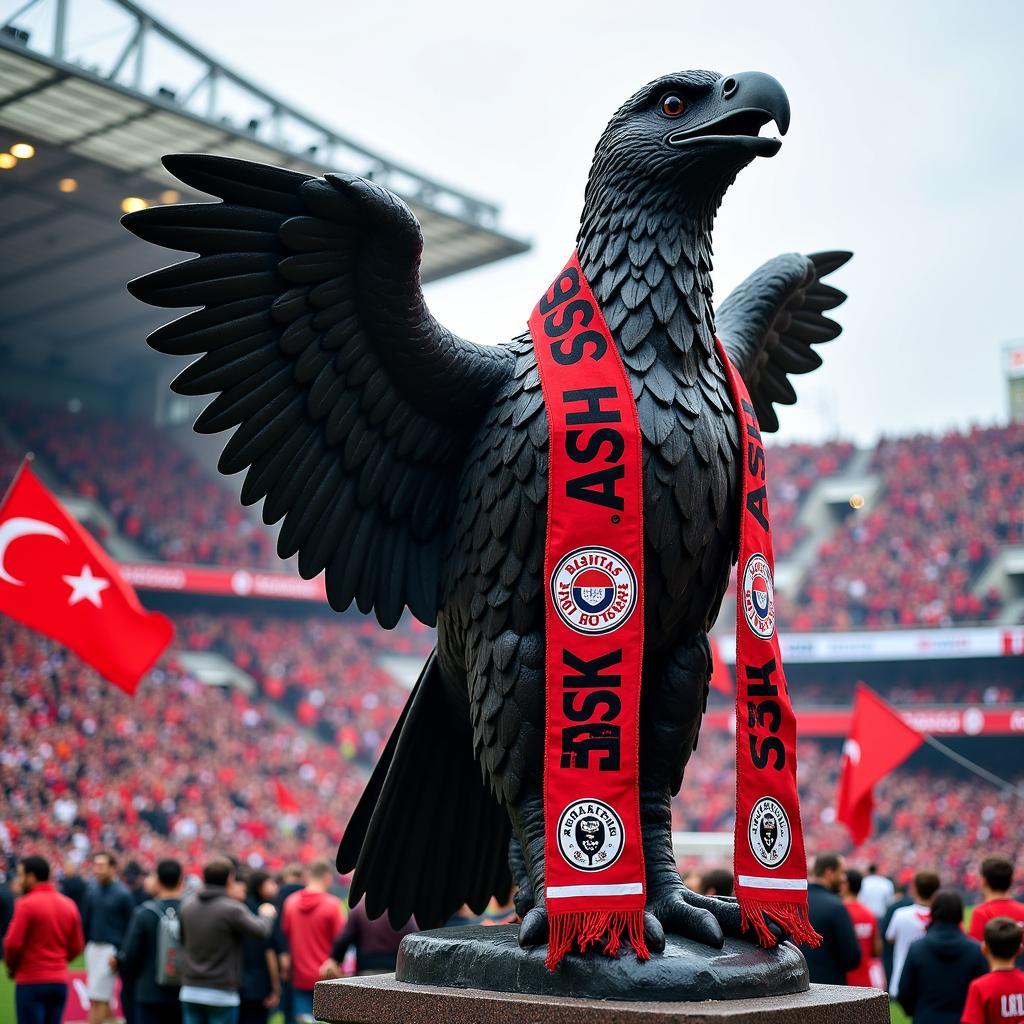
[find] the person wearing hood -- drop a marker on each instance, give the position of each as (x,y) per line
(312,917)
(261,977)
(213,927)
(941,965)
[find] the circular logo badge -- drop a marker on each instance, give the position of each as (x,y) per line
(590,835)
(242,582)
(759,596)
(974,721)
(594,590)
(768,832)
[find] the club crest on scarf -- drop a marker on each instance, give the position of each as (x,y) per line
(769,832)
(590,835)
(594,590)
(759,596)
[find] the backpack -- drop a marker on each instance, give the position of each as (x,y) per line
(170,951)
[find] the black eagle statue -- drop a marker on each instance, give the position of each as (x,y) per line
(411,465)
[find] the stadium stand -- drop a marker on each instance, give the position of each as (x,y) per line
(794,470)
(323,669)
(273,776)
(925,813)
(949,504)
(180,768)
(946,506)
(82,765)
(159,496)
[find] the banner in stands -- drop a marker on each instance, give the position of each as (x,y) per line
(933,720)
(197,579)
(895,645)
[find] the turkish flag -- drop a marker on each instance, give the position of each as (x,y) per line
(879,741)
(56,579)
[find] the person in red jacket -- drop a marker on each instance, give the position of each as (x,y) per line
(865,927)
(996,883)
(44,936)
(312,917)
(998,997)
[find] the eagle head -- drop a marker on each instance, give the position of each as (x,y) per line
(683,138)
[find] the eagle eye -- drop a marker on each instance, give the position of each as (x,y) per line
(672,105)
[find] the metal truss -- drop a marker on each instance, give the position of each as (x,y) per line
(195,84)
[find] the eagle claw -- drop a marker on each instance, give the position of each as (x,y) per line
(679,917)
(534,929)
(726,911)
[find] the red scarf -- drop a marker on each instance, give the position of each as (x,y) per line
(768,844)
(594,621)
(594,627)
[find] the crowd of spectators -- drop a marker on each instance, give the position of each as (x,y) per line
(922,814)
(793,469)
(159,495)
(178,769)
(325,670)
(947,505)
(182,767)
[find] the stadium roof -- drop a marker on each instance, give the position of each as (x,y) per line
(99,118)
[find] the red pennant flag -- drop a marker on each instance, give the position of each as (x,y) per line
(721,677)
(879,741)
(285,800)
(56,579)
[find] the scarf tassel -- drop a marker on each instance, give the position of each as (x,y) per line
(582,930)
(792,917)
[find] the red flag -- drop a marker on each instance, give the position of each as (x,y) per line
(56,579)
(285,801)
(879,741)
(721,677)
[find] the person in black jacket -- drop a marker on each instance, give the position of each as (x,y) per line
(941,965)
(261,981)
(136,960)
(293,878)
(839,952)
(106,913)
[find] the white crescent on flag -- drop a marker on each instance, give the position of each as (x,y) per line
(21,526)
(851,748)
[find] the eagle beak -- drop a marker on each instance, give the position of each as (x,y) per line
(738,108)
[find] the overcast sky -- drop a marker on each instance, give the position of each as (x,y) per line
(905,146)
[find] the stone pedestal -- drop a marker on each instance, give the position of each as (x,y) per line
(492,959)
(382,1000)
(481,976)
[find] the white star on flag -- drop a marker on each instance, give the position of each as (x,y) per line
(86,587)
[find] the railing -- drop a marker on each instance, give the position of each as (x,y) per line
(126,46)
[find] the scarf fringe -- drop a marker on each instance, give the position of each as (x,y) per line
(582,930)
(791,916)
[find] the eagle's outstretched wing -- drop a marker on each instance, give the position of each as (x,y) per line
(770,322)
(353,406)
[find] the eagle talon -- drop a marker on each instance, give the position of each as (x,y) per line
(654,933)
(679,917)
(726,910)
(534,929)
